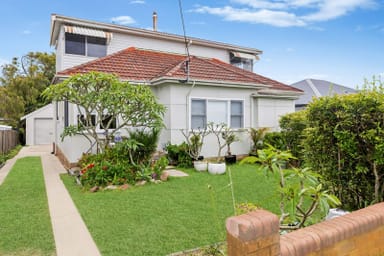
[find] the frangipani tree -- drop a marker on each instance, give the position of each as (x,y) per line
(108,99)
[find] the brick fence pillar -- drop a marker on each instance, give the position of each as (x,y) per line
(253,234)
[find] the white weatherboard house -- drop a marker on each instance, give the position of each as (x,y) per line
(221,86)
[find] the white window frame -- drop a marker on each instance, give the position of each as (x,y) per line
(228,109)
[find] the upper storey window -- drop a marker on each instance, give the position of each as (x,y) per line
(243,60)
(86,41)
(85,45)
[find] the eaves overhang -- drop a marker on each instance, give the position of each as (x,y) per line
(277,94)
(182,80)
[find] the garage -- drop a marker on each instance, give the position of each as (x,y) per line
(43,131)
(39,126)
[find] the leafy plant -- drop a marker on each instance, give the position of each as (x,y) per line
(257,136)
(292,126)
(178,155)
(213,250)
(195,141)
(229,136)
(159,166)
(146,144)
(245,208)
(104,173)
(275,139)
(297,187)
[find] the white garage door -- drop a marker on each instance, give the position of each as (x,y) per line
(43,131)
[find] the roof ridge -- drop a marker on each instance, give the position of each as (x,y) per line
(172,70)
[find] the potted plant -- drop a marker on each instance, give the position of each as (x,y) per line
(195,140)
(219,166)
(229,137)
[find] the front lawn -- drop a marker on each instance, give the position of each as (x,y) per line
(25,227)
(180,214)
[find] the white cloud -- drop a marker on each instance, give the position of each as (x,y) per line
(264,16)
(331,9)
(123,20)
(279,4)
(137,2)
(26,32)
(286,13)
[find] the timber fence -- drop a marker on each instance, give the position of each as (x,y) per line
(8,140)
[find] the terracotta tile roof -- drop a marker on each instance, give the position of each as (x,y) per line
(135,64)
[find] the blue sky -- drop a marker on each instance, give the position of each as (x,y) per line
(341,41)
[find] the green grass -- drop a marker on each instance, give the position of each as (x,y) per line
(173,216)
(25,227)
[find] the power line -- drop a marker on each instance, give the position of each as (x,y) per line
(185,41)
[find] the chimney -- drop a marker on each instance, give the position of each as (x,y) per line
(154,16)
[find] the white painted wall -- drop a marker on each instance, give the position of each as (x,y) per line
(177,116)
(45,112)
(122,41)
(258,112)
(267,111)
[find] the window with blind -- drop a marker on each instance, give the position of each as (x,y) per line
(229,112)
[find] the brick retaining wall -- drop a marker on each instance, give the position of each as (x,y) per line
(358,233)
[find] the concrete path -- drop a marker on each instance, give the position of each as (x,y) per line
(72,237)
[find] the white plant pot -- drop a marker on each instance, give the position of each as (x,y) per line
(200,166)
(216,168)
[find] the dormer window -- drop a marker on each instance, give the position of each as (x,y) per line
(242,60)
(86,41)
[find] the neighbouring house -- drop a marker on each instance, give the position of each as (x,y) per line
(215,83)
(314,88)
(39,126)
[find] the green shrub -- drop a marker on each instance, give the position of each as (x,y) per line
(178,155)
(12,153)
(147,143)
(105,173)
(292,127)
(274,139)
(257,138)
(127,162)
(344,141)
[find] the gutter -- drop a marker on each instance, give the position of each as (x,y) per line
(217,83)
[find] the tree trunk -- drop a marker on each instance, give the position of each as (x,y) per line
(377,183)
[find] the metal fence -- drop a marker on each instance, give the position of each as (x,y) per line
(8,140)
